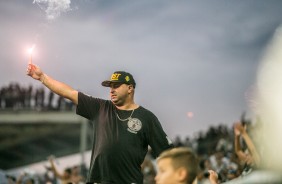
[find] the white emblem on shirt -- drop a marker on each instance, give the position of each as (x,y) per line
(134,125)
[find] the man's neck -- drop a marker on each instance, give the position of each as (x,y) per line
(129,106)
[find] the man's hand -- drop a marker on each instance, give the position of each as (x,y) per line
(34,71)
(55,86)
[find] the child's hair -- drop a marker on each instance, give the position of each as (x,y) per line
(182,157)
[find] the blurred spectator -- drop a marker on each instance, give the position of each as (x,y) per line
(28,97)
(201,146)
(3,177)
(220,164)
(60,103)
(50,100)
(64,177)
(148,169)
(76,176)
(70,175)
(213,177)
(204,167)
(249,157)
(39,98)
(28,177)
(187,142)
(178,142)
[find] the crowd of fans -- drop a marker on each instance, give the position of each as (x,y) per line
(215,150)
(221,148)
(230,152)
(74,174)
(17,97)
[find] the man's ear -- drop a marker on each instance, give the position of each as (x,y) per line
(130,88)
(182,174)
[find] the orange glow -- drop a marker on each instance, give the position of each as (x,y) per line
(30,50)
(190,114)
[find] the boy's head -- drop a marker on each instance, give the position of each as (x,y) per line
(177,165)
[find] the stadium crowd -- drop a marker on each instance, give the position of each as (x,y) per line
(17,97)
(229,151)
(215,150)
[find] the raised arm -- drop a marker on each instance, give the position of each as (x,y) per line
(55,170)
(239,129)
(57,87)
(237,145)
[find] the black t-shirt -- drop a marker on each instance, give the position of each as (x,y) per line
(119,147)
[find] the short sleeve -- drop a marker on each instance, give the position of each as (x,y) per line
(158,140)
(87,106)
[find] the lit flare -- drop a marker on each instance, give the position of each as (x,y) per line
(30,50)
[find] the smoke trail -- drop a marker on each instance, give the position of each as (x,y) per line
(53,8)
(269,85)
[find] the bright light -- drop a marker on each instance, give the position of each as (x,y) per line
(30,50)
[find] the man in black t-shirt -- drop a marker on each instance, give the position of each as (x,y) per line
(122,129)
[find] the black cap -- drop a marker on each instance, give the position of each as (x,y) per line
(120,77)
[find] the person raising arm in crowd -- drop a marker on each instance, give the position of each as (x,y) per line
(250,158)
